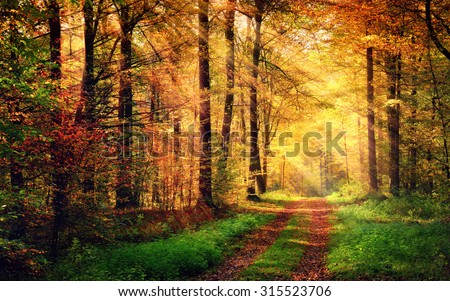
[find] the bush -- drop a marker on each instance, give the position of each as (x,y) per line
(348,193)
(19,262)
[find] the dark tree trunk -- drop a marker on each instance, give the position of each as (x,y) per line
(60,203)
(380,162)
(393,110)
(59,179)
(55,39)
(373,182)
(230,58)
(255,162)
(413,164)
(18,228)
(267,138)
(88,83)
(205,177)
(124,190)
(413,148)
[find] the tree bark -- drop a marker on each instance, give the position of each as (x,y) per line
(205,176)
(124,189)
(18,227)
(88,84)
(59,179)
(371,123)
(413,149)
(230,65)
(255,162)
(393,110)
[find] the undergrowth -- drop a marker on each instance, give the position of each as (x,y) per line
(179,257)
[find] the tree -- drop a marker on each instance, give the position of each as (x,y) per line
(393,110)
(205,180)
(124,189)
(230,69)
(130,14)
(88,83)
(59,176)
(373,182)
(255,170)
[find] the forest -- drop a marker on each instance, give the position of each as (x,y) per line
(224,140)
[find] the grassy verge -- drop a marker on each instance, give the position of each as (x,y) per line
(178,257)
(282,258)
(394,239)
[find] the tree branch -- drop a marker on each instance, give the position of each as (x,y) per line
(432,32)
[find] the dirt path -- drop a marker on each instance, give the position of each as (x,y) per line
(255,245)
(313,262)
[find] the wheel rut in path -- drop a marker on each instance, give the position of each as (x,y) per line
(255,245)
(313,262)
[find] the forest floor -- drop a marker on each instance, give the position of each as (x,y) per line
(299,234)
(284,238)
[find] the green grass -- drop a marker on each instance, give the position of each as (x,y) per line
(270,202)
(178,257)
(281,259)
(279,196)
(395,239)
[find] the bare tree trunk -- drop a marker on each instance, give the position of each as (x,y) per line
(205,180)
(230,58)
(373,182)
(124,188)
(88,84)
(255,163)
(59,179)
(362,169)
(393,73)
(380,162)
(413,148)
(18,227)
(266,149)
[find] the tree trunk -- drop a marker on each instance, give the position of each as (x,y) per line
(230,57)
(205,180)
(362,169)
(371,123)
(413,148)
(59,179)
(18,228)
(266,150)
(255,163)
(88,84)
(124,189)
(393,110)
